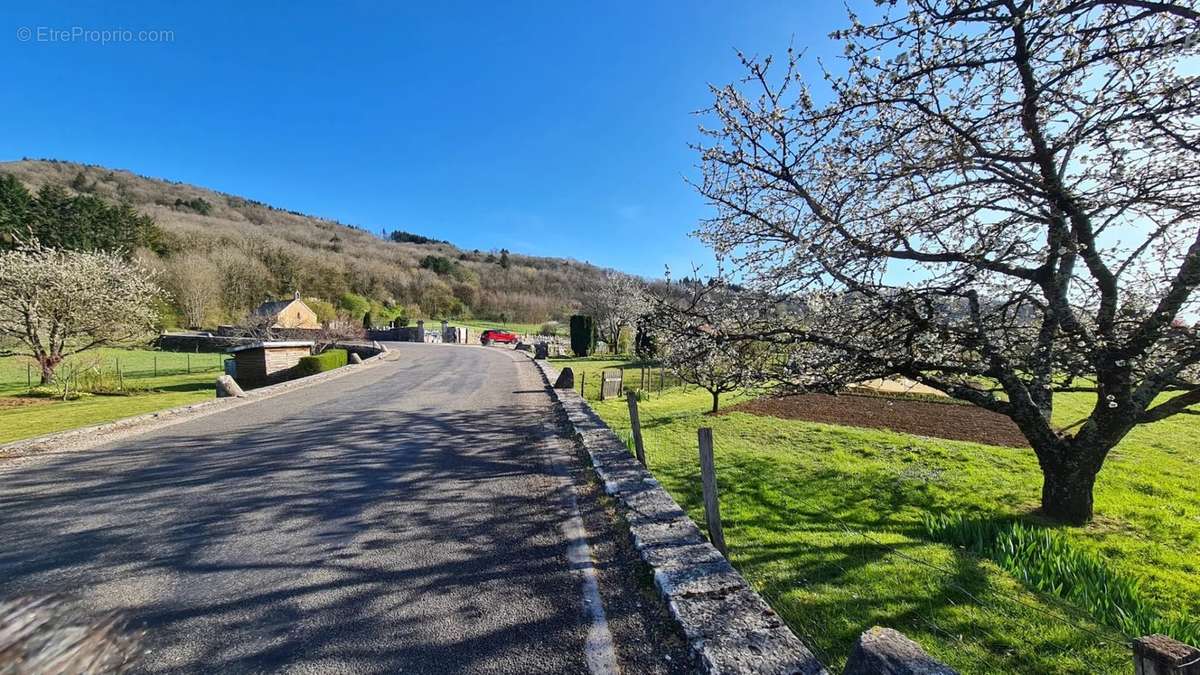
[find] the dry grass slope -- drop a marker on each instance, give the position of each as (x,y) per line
(251,242)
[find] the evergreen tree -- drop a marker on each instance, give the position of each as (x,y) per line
(583,335)
(14,210)
(58,219)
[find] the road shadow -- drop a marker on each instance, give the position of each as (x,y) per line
(369,540)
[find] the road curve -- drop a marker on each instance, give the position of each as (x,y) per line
(407,518)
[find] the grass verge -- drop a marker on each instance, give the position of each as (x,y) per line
(23,416)
(828,523)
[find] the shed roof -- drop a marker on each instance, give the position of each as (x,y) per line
(270,345)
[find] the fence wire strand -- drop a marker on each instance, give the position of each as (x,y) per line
(996,611)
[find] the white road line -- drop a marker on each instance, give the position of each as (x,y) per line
(599,652)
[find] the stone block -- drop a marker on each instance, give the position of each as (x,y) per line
(227,387)
(673,533)
(680,580)
(883,651)
(566,379)
(759,651)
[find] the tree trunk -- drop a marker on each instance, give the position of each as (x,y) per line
(1067,492)
(47,369)
(716,399)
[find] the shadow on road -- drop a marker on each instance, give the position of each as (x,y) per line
(371,540)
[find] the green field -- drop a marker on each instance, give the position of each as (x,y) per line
(154,380)
(826,521)
(478,326)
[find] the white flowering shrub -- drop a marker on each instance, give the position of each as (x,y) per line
(691,325)
(999,200)
(615,305)
(54,303)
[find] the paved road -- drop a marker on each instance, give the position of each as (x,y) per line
(406,518)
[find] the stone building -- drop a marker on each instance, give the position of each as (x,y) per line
(288,313)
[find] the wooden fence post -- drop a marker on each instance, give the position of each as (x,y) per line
(583,385)
(1161,655)
(708,478)
(29,375)
(120,377)
(635,423)
(189,363)
(156,365)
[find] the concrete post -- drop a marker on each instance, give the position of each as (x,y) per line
(420,330)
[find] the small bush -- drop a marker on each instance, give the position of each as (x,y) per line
(1047,561)
(44,391)
(326,360)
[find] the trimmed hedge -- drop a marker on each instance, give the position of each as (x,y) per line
(326,360)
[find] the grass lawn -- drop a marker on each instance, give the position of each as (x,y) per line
(826,521)
(588,372)
(478,326)
(23,417)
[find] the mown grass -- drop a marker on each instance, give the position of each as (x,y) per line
(23,417)
(828,522)
(587,374)
(478,326)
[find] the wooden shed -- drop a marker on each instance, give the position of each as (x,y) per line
(262,363)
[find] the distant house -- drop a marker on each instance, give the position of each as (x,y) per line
(288,313)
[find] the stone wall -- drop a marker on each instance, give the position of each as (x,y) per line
(396,334)
(364,350)
(729,628)
(313,334)
(198,342)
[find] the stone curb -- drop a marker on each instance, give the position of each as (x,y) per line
(97,434)
(729,628)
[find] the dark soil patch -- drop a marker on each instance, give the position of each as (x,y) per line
(8,403)
(925,418)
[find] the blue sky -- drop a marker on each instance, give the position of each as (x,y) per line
(546,128)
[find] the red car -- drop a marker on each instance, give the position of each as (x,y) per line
(496,335)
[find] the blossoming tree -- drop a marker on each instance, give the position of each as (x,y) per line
(997,199)
(54,303)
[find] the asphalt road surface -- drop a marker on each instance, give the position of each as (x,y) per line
(406,518)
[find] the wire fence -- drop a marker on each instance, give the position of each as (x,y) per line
(1025,618)
(648,380)
(114,371)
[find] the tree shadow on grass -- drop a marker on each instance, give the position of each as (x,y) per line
(837,552)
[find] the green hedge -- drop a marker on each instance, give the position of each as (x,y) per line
(326,360)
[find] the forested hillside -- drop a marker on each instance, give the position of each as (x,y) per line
(220,255)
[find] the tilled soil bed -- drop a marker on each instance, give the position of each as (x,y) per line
(925,418)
